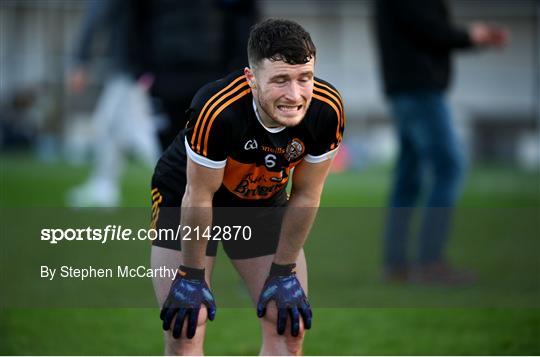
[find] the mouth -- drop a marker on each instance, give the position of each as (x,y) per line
(290,108)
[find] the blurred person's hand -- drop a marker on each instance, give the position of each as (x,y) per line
(146,81)
(486,35)
(77,80)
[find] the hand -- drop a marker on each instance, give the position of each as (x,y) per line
(188,292)
(290,299)
(77,80)
(146,81)
(485,35)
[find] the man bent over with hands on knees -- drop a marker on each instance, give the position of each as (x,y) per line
(245,134)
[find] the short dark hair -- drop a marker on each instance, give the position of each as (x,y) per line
(280,40)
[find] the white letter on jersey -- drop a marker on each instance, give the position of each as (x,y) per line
(251,145)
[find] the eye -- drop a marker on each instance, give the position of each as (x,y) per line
(305,79)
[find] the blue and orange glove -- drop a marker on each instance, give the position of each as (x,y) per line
(283,287)
(188,291)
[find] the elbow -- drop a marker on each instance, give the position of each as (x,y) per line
(196,198)
(306,199)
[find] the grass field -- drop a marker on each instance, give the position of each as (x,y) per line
(410,330)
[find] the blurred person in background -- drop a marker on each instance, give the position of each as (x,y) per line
(416,40)
(188,44)
(17,115)
(122,119)
(166,48)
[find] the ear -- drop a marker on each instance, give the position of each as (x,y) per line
(250,76)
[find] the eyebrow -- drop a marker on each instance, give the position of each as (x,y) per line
(307,73)
(286,76)
(279,76)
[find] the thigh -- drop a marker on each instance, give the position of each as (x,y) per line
(171,259)
(444,148)
(254,272)
(167,192)
(137,124)
(425,121)
(110,105)
(263,225)
(405,113)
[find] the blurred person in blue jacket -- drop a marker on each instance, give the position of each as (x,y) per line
(416,39)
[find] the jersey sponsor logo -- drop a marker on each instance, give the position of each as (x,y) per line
(252,182)
(251,145)
(294,149)
(246,189)
(274,150)
(283,176)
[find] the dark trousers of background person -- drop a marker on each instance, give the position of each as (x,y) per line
(430,167)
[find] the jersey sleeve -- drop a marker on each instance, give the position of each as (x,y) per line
(329,125)
(206,138)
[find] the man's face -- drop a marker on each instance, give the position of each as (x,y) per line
(282,91)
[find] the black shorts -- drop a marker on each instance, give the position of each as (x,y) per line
(262,225)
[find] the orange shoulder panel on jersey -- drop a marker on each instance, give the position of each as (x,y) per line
(237,89)
(331,97)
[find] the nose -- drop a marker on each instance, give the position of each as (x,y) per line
(293,93)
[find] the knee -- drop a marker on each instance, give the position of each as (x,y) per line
(405,192)
(294,344)
(450,168)
(276,344)
(407,184)
(409,180)
(183,345)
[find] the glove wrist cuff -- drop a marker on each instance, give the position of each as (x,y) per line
(191,273)
(282,270)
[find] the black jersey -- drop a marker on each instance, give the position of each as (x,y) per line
(224,131)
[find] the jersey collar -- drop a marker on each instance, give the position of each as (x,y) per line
(271,130)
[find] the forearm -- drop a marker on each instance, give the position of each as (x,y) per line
(297,222)
(196,212)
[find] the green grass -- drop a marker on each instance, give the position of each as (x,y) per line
(26,183)
(337,331)
(235,331)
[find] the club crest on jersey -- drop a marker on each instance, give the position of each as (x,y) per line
(251,145)
(294,149)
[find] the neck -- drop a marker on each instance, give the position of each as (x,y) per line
(263,117)
(271,129)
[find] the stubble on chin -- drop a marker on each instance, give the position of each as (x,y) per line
(274,116)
